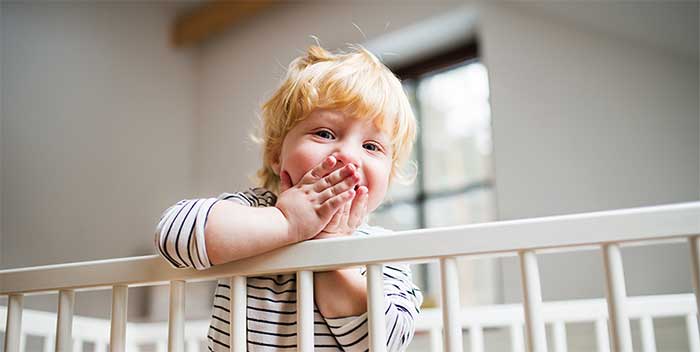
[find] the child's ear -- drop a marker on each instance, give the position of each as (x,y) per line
(275,165)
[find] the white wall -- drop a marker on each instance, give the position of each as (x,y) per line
(97,128)
(97,131)
(585,121)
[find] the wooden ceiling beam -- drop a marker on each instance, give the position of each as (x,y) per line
(211,18)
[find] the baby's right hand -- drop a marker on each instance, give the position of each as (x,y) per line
(309,205)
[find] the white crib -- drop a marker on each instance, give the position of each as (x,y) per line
(154,336)
(605,231)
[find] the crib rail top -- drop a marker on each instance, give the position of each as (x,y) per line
(673,222)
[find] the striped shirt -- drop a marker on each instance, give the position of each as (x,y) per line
(271,310)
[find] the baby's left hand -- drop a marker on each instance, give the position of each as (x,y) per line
(348,218)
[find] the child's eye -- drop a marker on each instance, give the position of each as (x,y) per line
(324,134)
(371,147)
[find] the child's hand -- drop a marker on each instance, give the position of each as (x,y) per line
(309,205)
(349,217)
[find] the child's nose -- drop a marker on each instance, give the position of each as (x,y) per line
(347,157)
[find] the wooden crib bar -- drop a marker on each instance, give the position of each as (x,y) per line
(532,302)
(375,303)
(449,279)
(64,322)
(239,313)
(617,299)
(176,320)
(117,333)
(305,311)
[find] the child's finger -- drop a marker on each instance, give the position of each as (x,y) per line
(359,207)
(340,187)
(334,177)
(333,204)
(320,170)
(346,211)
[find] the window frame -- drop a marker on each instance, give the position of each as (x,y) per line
(411,74)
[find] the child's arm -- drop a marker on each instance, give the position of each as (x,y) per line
(402,301)
(236,231)
(203,232)
(340,293)
(343,292)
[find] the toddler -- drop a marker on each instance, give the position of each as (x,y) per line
(335,135)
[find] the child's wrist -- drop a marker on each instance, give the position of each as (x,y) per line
(287,229)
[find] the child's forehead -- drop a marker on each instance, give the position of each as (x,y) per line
(328,115)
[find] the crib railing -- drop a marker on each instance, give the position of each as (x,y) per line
(153,336)
(559,313)
(606,231)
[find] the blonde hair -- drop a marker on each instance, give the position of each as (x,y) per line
(357,84)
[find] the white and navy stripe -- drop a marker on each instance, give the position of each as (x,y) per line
(271,321)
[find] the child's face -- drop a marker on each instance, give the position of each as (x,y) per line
(351,140)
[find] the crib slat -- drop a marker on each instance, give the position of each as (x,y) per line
(176,320)
(476,339)
(161,346)
(601,334)
(559,334)
(616,299)
(192,345)
(647,331)
(13,333)
(238,316)
(375,302)
(532,293)
(694,243)
(436,339)
(691,325)
(305,311)
(23,342)
(132,347)
(49,344)
(101,346)
(517,343)
(449,276)
(64,321)
(117,334)
(77,345)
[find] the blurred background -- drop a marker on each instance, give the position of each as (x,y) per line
(113,111)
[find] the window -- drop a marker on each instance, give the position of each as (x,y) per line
(453,152)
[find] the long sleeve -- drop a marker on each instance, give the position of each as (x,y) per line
(402,301)
(179,236)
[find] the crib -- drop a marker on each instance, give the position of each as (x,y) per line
(603,231)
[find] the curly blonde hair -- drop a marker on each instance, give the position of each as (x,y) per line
(357,84)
